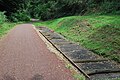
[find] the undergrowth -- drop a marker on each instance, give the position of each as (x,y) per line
(5,27)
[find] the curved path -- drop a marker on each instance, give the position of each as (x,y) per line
(24,56)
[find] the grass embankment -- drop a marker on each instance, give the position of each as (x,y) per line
(5,27)
(100,34)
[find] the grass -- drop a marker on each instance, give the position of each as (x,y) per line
(5,27)
(100,34)
(79,77)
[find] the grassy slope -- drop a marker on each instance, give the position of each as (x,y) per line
(100,34)
(5,27)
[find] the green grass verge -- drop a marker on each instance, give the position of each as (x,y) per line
(100,34)
(79,77)
(5,27)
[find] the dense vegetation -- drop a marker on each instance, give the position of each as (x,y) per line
(4,25)
(100,34)
(19,10)
(2,18)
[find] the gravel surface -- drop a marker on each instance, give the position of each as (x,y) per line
(24,56)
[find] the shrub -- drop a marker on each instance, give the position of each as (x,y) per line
(104,7)
(2,17)
(20,16)
(110,7)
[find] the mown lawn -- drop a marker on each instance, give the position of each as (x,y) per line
(100,34)
(5,27)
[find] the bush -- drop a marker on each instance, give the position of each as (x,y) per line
(20,16)
(110,7)
(2,17)
(103,7)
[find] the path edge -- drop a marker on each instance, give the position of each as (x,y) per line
(58,54)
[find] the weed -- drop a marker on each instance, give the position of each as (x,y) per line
(79,77)
(69,66)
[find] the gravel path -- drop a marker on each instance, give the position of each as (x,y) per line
(24,56)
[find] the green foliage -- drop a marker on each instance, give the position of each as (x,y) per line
(44,11)
(111,7)
(2,17)
(20,16)
(104,6)
(51,9)
(5,27)
(17,10)
(79,77)
(99,34)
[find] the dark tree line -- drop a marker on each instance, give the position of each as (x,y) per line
(50,9)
